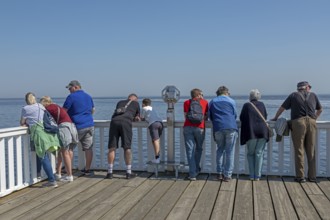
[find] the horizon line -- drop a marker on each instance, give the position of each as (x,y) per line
(158,96)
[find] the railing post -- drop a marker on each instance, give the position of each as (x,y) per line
(3,180)
(327,169)
(170,133)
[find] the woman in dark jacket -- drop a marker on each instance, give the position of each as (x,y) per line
(254,132)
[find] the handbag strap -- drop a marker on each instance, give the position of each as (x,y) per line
(128,103)
(58,114)
(261,116)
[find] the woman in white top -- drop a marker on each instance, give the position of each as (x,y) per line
(32,116)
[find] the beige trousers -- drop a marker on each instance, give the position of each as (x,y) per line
(304,137)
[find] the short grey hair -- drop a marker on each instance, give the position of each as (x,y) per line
(255,94)
(222,90)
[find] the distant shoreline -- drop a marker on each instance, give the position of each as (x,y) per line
(182,97)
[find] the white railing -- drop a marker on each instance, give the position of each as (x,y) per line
(18,163)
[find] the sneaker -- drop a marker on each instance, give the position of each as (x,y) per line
(57,176)
(256,179)
(312,180)
(130,175)
(67,179)
(155,161)
(39,176)
(300,180)
(50,184)
(109,176)
(219,176)
(226,178)
(88,172)
(190,178)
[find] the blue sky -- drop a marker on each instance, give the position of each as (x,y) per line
(117,47)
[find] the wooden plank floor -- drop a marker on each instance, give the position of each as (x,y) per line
(145,197)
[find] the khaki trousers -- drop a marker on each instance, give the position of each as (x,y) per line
(304,138)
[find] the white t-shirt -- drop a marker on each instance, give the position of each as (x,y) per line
(149,115)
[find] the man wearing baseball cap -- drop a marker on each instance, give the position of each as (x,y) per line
(80,107)
(305,109)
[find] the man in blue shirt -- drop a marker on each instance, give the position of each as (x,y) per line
(80,107)
(223,114)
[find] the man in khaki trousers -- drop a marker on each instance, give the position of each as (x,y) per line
(305,109)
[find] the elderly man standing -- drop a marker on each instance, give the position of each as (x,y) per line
(80,107)
(305,109)
(223,114)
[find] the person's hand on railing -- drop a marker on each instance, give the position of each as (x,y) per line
(137,118)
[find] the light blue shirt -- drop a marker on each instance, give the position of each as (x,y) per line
(149,115)
(33,113)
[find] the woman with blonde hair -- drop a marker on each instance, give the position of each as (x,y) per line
(32,116)
(68,136)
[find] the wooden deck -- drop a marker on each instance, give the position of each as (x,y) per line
(145,197)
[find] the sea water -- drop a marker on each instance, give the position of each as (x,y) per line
(10,109)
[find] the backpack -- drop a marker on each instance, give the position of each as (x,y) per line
(195,113)
(50,125)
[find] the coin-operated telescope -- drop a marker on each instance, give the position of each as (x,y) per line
(170,95)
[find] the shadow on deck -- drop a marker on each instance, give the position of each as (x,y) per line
(145,197)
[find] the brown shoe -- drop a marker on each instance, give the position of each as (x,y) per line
(300,180)
(226,179)
(219,177)
(312,180)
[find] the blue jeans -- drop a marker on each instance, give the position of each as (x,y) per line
(37,159)
(45,162)
(226,140)
(255,155)
(193,138)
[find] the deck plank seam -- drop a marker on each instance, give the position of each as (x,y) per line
(215,201)
(271,197)
(310,200)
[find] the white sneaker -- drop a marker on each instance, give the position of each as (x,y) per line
(39,178)
(57,176)
(156,160)
(50,184)
(67,179)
